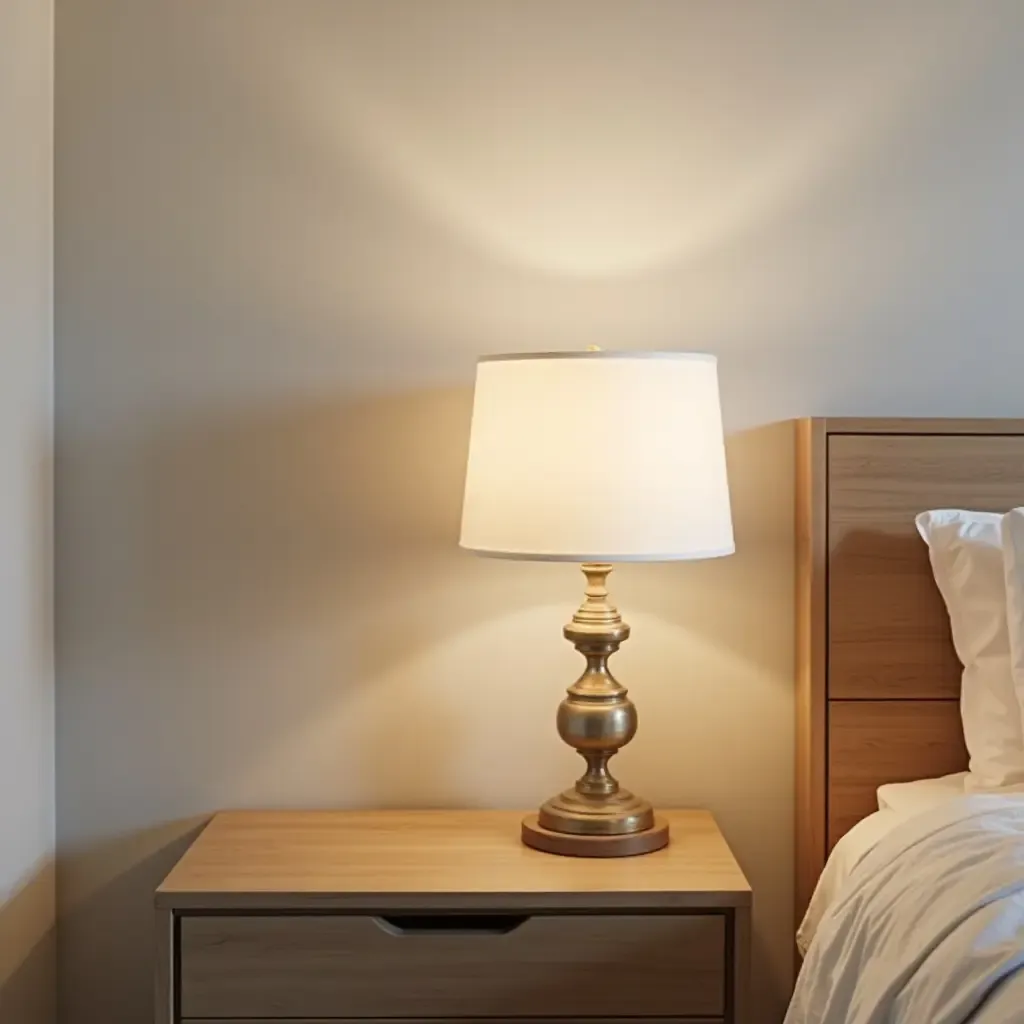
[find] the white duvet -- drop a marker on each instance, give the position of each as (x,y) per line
(929,927)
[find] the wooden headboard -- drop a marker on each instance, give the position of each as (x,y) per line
(878,680)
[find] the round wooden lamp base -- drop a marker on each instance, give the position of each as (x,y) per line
(631,845)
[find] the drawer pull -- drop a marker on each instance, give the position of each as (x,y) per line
(450,924)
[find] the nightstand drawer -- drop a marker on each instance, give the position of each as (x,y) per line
(309,966)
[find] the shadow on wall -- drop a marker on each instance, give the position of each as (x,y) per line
(28,952)
(312,553)
(111,924)
(275,613)
(338,508)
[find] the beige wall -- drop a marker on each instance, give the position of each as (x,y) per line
(286,232)
(26,382)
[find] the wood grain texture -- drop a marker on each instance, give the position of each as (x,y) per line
(446,860)
(888,628)
(877,678)
(874,742)
(949,427)
(354,966)
(459,921)
(461,1020)
(811,653)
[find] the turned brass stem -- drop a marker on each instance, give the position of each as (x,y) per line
(597,719)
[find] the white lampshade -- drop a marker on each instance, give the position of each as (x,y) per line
(597,457)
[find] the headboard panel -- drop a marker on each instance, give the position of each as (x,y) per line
(878,680)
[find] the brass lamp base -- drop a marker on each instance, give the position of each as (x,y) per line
(629,845)
(596,818)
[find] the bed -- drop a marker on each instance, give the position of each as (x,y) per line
(878,678)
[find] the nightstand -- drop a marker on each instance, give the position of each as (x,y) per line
(310,917)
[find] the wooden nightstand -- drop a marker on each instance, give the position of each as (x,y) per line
(431,915)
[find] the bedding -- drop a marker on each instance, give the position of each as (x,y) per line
(896,801)
(966,555)
(929,925)
(845,856)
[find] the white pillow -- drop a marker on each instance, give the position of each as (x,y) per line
(967,560)
(1013,566)
(910,798)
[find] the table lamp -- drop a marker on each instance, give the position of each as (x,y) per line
(597,457)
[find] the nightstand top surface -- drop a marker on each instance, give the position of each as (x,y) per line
(439,859)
